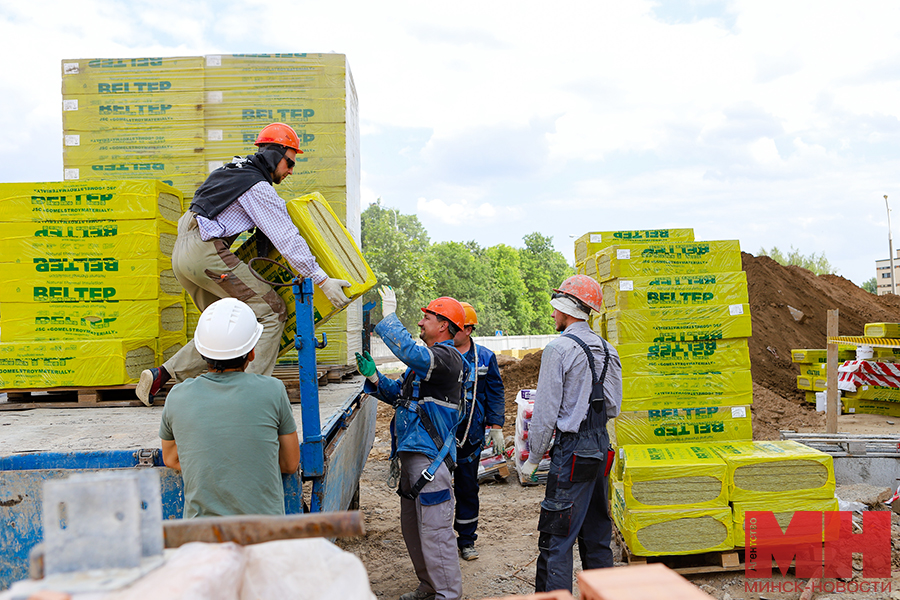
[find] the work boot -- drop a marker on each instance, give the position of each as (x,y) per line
(149,384)
(468,553)
(417,595)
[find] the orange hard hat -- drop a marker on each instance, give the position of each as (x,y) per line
(583,288)
(279,133)
(449,308)
(471,316)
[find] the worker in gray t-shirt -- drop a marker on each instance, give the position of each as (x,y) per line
(231,433)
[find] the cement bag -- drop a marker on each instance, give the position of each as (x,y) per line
(691,324)
(698,424)
(676,291)
(303,569)
(732,387)
(590,243)
(144,238)
(783,509)
(670,358)
(74,363)
(334,249)
(777,470)
(669,476)
(670,532)
(82,201)
(681,258)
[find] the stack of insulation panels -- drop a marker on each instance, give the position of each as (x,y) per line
(91,298)
(179,118)
(813,368)
(678,314)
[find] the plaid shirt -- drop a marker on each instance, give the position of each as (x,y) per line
(261,207)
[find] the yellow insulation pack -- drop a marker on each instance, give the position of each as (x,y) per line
(257,71)
(334,249)
(807,356)
(298,111)
(725,388)
(694,424)
(124,77)
(853,405)
(593,242)
(676,291)
(145,238)
(324,171)
(813,384)
(103,112)
(169,343)
(783,509)
(814,370)
(82,279)
(105,166)
(695,323)
(874,392)
(629,260)
(40,322)
(670,476)
(317,140)
(101,200)
(671,532)
(669,358)
(882,330)
(75,363)
(344,339)
(127,144)
(779,470)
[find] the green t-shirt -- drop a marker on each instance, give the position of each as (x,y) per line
(226,426)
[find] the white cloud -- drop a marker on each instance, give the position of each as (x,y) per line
(464,213)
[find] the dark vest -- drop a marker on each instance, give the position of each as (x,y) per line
(445,383)
(227,183)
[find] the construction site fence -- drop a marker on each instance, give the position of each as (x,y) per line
(495,343)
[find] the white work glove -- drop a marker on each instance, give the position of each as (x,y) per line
(529,470)
(495,437)
(334,291)
(388,300)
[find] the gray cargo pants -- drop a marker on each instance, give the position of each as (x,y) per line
(427,525)
(209,271)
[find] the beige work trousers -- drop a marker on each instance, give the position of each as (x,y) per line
(209,271)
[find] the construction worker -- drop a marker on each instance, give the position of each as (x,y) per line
(235,198)
(429,407)
(481,426)
(579,389)
(230,432)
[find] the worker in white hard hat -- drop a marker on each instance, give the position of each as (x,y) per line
(230,432)
(236,198)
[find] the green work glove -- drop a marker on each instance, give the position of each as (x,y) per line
(366,365)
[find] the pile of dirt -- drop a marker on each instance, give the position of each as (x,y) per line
(777,403)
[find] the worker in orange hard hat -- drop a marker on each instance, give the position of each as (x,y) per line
(235,198)
(579,388)
(482,426)
(429,403)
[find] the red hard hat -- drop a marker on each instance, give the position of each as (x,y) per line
(584,288)
(279,133)
(471,316)
(449,308)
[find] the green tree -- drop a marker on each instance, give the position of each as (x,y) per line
(542,268)
(515,313)
(871,286)
(817,263)
(396,247)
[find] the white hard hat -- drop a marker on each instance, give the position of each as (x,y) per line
(227,329)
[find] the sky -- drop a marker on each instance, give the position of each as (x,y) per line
(773,123)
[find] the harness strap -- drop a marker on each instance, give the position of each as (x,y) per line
(595,403)
(428,474)
(471,406)
(432,431)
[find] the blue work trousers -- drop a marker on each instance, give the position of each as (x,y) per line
(465,489)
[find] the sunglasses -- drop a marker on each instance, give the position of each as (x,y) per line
(290,162)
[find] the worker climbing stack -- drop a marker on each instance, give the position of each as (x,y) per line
(91,298)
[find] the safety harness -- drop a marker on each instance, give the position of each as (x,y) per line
(598,397)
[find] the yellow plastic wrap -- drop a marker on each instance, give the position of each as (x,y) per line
(779,470)
(725,388)
(591,243)
(81,279)
(317,140)
(670,358)
(682,258)
(783,509)
(101,200)
(168,344)
(672,476)
(597,323)
(852,405)
(103,112)
(193,317)
(874,392)
(335,251)
(674,291)
(811,370)
(813,384)
(133,144)
(33,365)
(105,166)
(695,323)
(297,111)
(257,71)
(693,424)
(806,356)
(672,532)
(309,171)
(145,238)
(126,76)
(344,336)
(40,322)
(882,330)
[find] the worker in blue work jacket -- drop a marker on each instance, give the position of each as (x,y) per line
(482,426)
(579,388)
(429,404)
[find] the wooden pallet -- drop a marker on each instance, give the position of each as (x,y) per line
(688,564)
